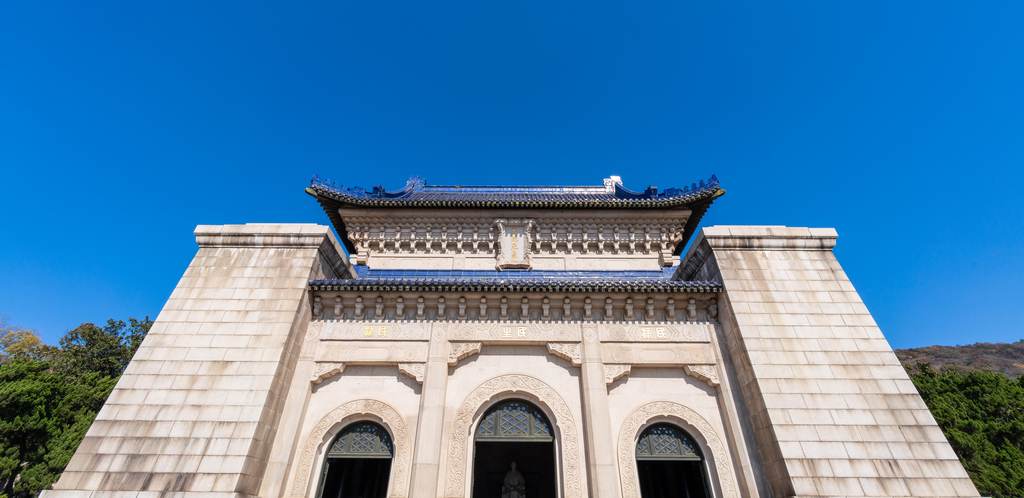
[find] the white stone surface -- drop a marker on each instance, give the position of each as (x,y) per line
(832,410)
(197,409)
(783,380)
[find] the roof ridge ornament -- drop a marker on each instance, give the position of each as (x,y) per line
(611,182)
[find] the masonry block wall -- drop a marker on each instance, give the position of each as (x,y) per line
(833,411)
(197,409)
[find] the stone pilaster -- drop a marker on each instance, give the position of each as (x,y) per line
(430,423)
(197,410)
(603,469)
(832,411)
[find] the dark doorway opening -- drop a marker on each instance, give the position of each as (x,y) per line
(514,431)
(358,463)
(670,464)
(356,478)
(535,461)
(671,479)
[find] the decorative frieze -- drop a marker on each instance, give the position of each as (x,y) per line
(376,331)
(656,332)
(656,354)
(371,352)
(520,332)
(382,240)
(640,307)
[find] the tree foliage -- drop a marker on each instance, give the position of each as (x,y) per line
(49,397)
(106,350)
(982,416)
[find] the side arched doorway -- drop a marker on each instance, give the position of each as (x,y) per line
(670,464)
(358,463)
(514,431)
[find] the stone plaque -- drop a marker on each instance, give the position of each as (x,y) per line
(376,331)
(653,354)
(521,332)
(514,244)
(656,332)
(371,352)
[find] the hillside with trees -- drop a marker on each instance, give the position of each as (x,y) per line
(1001,357)
(50,395)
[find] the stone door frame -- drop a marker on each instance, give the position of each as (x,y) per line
(716,456)
(568,472)
(315,449)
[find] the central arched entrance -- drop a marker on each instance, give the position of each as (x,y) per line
(670,464)
(514,431)
(358,463)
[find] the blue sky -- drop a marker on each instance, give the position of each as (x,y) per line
(901,124)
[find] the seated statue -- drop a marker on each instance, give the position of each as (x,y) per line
(514,485)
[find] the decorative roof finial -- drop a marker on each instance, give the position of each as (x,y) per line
(611,182)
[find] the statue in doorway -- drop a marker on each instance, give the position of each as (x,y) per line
(514,485)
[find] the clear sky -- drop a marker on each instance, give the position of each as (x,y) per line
(123,125)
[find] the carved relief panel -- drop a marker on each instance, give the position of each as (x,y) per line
(514,246)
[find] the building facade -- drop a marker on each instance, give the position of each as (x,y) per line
(511,342)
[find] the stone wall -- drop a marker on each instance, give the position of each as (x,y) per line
(832,410)
(198,407)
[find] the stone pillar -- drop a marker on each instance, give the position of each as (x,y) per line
(197,409)
(832,410)
(603,467)
(430,423)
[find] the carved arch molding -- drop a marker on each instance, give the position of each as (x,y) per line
(677,413)
(392,421)
(458,448)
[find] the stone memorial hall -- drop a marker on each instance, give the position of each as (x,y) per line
(514,342)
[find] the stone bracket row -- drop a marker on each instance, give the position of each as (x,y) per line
(696,359)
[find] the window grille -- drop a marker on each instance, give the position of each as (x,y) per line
(514,421)
(362,440)
(666,442)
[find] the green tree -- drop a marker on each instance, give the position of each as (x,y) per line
(29,394)
(982,416)
(106,350)
(47,407)
(24,344)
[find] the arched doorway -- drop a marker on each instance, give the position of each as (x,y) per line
(670,464)
(514,431)
(358,463)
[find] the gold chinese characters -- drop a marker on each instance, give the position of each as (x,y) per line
(645,332)
(506,332)
(382,331)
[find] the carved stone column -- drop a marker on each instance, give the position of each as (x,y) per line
(427,452)
(603,470)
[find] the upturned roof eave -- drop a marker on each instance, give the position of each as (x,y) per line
(698,203)
(513,285)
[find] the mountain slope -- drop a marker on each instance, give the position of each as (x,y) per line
(1004,358)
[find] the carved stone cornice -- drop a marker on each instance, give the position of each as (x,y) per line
(707,373)
(414,370)
(460,350)
(627,302)
(615,372)
(324,371)
(567,350)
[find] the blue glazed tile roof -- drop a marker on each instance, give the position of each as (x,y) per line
(611,195)
(365,272)
(514,285)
